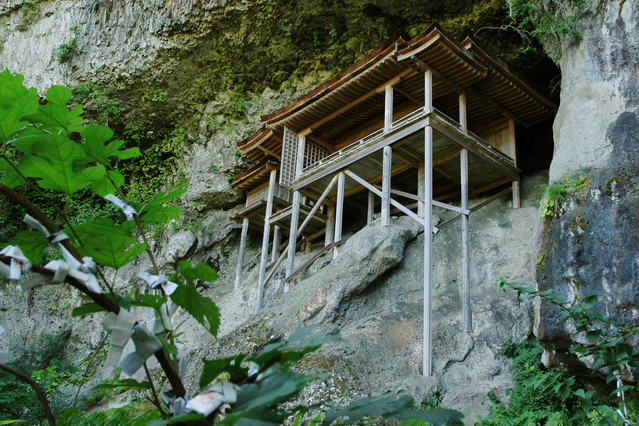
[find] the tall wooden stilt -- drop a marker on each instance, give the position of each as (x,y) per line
(339,214)
(427,367)
(388,108)
(240,255)
(277,240)
(265,238)
(329,236)
(515,184)
(420,189)
(468,324)
(370,213)
(462,112)
(386,185)
(295,214)
(516,195)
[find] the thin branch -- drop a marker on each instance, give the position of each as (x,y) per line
(101,299)
(41,397)
(153,391)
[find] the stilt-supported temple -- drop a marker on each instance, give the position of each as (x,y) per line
(417,123)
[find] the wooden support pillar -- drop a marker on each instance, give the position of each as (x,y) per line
(265,238)
(370,213)
(386,185)
(462,112)
(468,324)
(295,215)
(516,195)
(427,366)
(277,240)
(388,108)
(515,184)
(428,91)
(420,189)
(309,247)
(329,236)
(339,214)
(240,255)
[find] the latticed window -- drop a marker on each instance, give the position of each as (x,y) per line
(313,153)
(289,158)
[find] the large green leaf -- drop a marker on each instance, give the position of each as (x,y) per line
(125,384)
(95,137)
(15,103)
(155,211)
(258,401)
(54,163)
(202,271)
(231,365)
(11,118)
(108,243)
(11,177)
(201,308)
(300,343)
(55,115)
(32,244)
(391,407)
(86,308)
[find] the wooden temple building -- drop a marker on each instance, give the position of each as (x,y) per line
(414,124)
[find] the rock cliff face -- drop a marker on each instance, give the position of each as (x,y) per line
(593,236)
(172,63)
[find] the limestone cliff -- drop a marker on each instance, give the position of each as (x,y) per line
(181,64)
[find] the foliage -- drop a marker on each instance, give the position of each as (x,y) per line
(65,51)
(607,349)
(59,154)
(98,98)
(30,13)
(553,194)
(527,405)
(45,362)
(537,21)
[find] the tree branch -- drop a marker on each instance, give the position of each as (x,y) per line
(41,397)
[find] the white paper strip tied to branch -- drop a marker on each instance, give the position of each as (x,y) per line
(146,344)
(157,281)
(121,328)
(216,395)
(127,209)
(162,324)
(85,269)
(5,357)
(19,263)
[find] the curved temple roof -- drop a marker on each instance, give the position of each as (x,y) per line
(354,99)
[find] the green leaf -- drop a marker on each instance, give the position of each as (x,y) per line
(155,211)
(392,407)
(55,115)
(11,118)
(87,308)
(126,384)
(231,365)
(202,271)
(275,389)
(32,244)
(54,164)
(622,389)
(95,137)
(11,178)
(108,243)
(149,301)
(564,392)
(169,349)
(179,419)
(201,308)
